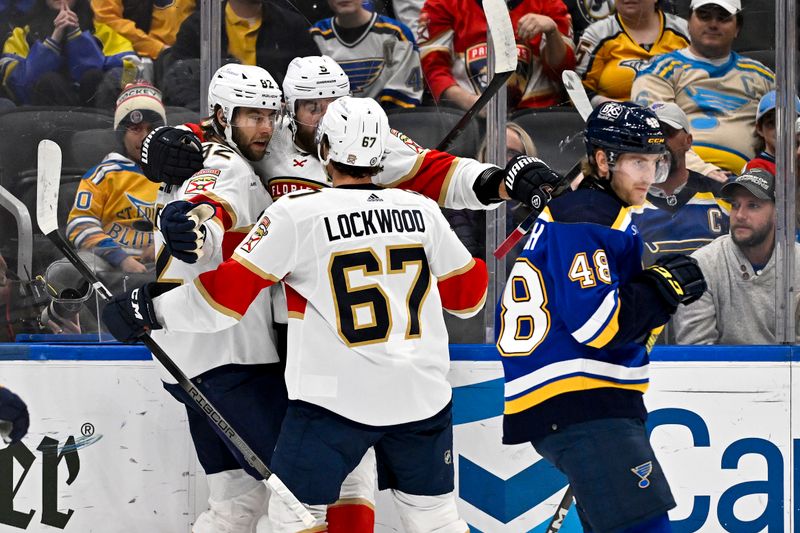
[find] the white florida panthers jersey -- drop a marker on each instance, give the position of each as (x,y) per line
(367,272)
(438,175)
(230,185)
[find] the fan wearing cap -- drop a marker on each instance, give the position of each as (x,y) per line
(114,209)
(739,307)
(576,321)
(717,88)
(765,134)
(685,211)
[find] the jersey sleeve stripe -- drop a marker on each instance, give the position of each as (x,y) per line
(295,303)
(596,323)
(448,177)
(213,303)
(457,271)
(464,294)
(608,332)
(253,268)
(215,287)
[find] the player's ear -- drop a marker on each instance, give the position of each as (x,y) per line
(601,162)
(220,115)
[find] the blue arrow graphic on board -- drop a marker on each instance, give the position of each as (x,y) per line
(506,499)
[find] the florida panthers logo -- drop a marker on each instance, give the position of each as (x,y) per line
(256,235)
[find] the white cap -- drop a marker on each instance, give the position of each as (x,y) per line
(731,6)
(671,114)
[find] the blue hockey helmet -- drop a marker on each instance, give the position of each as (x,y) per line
(621,127)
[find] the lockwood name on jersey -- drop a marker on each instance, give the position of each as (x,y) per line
(361,223)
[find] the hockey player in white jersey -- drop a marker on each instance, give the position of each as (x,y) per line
(367,273)
(234,368)
(310,85)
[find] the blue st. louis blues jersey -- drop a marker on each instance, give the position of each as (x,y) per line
(565,355)
(683,222)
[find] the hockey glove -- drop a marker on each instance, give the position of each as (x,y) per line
(14,419)
(529,180)
(181,225)
(678,278)
(171,155)
(131,315)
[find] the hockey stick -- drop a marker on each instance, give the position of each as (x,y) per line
(561,512)
(504,46)
(48,181)
(577,94)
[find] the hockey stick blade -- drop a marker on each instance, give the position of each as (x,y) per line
(525,226)
(577,93)
(504,51)
(561,512)
(48,181)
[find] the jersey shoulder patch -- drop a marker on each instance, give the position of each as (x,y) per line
(405,140)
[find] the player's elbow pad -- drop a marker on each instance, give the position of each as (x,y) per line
(464,294)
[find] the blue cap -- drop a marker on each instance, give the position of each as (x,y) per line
(767,104)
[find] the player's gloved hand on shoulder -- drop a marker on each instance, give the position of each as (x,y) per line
(171,155)
(181,225)
(131,315)
(14,418)
(529,180)
(678,278)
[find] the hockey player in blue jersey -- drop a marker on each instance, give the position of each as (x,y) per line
(575,320)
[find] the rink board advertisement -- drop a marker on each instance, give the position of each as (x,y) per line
(109,450)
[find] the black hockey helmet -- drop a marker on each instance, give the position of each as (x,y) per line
(620,127)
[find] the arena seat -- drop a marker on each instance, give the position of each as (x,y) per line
(87,148)
(32,124)
(557,134)
(428,125)
(180,115)
(765,56)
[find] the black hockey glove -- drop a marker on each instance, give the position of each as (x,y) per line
(131,315)
(529,180)
(181,225)
(678,278)
(14,418)
(171,155)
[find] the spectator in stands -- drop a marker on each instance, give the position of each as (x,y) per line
(739,306)
(586,12)
(266,33)
(716,87)
(766,135)
(58,55)
(114,206)
(149,25)
(613,50)
(452,39)
(686,211)
(379,54)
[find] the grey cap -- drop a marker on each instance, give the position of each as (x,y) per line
(760,182)
(671,114)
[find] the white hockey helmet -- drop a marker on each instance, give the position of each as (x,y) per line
(235,85)
(313,77)
(356,131)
